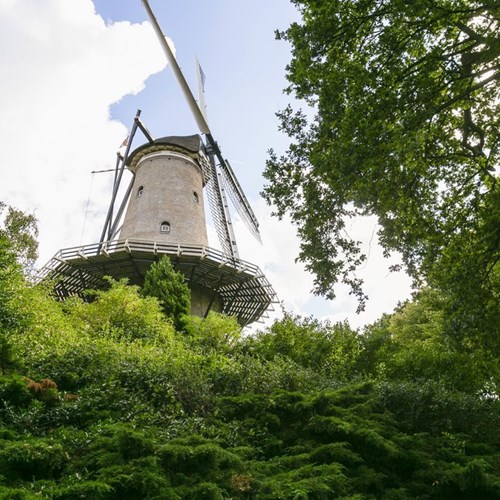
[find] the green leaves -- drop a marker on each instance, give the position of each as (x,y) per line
(21,231)
(216,333)
(405,96)
(332,350)
(170,288)
(123,312)
(107,400)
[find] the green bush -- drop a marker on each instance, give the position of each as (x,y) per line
(217,333)
(33,458)
(92,490)
(14,391)
(331,350)
(17,494)
(193,461)
(137,479)
(122,313)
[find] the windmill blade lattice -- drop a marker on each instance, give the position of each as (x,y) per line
(217,210)
(239,199)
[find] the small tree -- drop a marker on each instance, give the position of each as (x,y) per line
(18,252)
(21,230)
(11,281)
(169,287)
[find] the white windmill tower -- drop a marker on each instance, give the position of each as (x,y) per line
(162,213)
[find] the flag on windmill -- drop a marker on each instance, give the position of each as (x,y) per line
(201,78)
(202,75)
(124,144)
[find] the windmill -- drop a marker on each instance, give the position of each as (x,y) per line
(162,213)
(219,177)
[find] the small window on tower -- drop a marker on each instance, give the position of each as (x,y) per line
(140,191)
(195,197)
(165,227)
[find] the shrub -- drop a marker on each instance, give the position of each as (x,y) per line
(122,313)
(33,458)
(14,391)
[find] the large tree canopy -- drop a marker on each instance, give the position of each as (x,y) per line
(406,103)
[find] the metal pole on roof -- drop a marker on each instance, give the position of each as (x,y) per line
(116,185)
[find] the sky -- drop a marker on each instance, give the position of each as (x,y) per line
(74,74)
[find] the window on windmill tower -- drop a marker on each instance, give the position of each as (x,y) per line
(165,227)
(140,191)
(196,197)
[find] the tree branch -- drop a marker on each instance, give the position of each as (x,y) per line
(477,86)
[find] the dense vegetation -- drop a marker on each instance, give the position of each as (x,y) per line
(107,400)
(126,396)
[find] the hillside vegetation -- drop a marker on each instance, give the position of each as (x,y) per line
(108,399)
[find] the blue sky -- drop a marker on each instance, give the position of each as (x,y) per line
(75,73)
(244,66)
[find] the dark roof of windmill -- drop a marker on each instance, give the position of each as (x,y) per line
(191,143)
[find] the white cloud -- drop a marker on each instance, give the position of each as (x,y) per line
(62,69)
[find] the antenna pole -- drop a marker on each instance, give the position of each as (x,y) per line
(198,115)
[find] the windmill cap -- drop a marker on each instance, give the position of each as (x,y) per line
(188,144)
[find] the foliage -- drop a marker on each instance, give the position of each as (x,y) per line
(468,276)
(215,333)
(330,349)
(406,128)
(36,458)
(169,287)
(14,391)
(121,311)
(21,230)
(428,406)
(11,282)
(411,345)
(290,445)
(106,400)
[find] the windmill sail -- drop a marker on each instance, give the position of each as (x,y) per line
(193,105)
(234,190)
(239,199)
(216,188)
(220,215)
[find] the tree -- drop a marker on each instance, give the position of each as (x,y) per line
(332,349)
(21,231)
(215,333)
(169,287)
(406,128)
(11,281)
(411,345)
